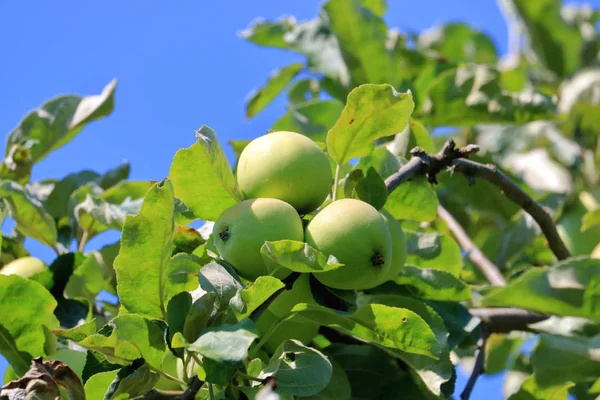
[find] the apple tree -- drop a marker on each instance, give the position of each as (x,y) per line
(423,205)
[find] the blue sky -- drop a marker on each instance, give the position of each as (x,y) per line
(180,64)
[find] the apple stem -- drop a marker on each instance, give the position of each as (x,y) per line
(336,182)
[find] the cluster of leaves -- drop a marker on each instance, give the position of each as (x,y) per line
(175,298)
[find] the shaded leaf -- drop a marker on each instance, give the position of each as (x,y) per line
(182,274)
(371,112)
(202,177)
(433,284)
(531,391)
(382,160)
(253,296)
(226,343)
(433,250)
(131,381)
(86,281)
(590,219)
(312,118)
(569,288)
(371,189)
(459,41)
(299,370)
(278,80)
(58,121)
(215,278)
(146,247)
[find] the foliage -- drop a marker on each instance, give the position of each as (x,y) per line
(368,94)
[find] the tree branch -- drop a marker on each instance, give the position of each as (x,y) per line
(450,158)
(489,269)
(192,390)
(504,320)
(478,368)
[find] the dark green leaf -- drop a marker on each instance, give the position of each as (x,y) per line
(132,381)
(142,265)
(177,312)
(304,90)
(202,177)
(18,360)
(371,112)
(414,200)
(338,387)
(371,189)
(182,274)
(433,284)
(86,281)
(199,314)
(297,256)
(433,250)
(590,219)
(384,162)
(57,122)
(299,370)
(558,360)
(278,80)
(500,352)
(567,288)
(557,44)
(28,212)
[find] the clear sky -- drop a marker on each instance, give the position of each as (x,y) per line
(180,64)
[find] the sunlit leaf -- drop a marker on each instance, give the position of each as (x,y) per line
(276,83)
(297,256)
(433,284)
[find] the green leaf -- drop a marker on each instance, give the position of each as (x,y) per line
(199,314)
(29,214)
(384,162)
(129,337)
(362,36)
(96,363)
(77,333)
(297,256)
(269,34)
(303,87)
(312,118)
(215,278)
(414,200)
(132,381)
(415,134)
(590,219)
(86,281)
(371,189)
(338,387)
(472,94)
(58,121)
(569,288)
(278,80)
(371,112)
(202,177)
(253,296)
(433,250)
(531,391)
(377,7)
(391,327)
(299,370)
(177,312)
(186,239)
(500,352)
(146,247)
(182,274)
(98,384)
(226,343)
(460,42)
(558,360)
(433,284)
(557,44)
(17,164)
(24,323)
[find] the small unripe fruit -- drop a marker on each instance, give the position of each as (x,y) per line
(297,327)
(358,236)
(242,229)
(286,166)
(170,366)
(25,267)
(398,244)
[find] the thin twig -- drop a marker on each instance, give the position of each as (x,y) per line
(489,269)
(478,368)
(504,320)
(452,159)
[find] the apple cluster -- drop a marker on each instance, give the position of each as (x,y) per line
(286,180)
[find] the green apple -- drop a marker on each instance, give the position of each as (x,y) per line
(242,229)
(596,252)
(25,267)
(170,366)
(398,244)
(286,166)
(358,236)
(297,327)
(73,358)
(569,227)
